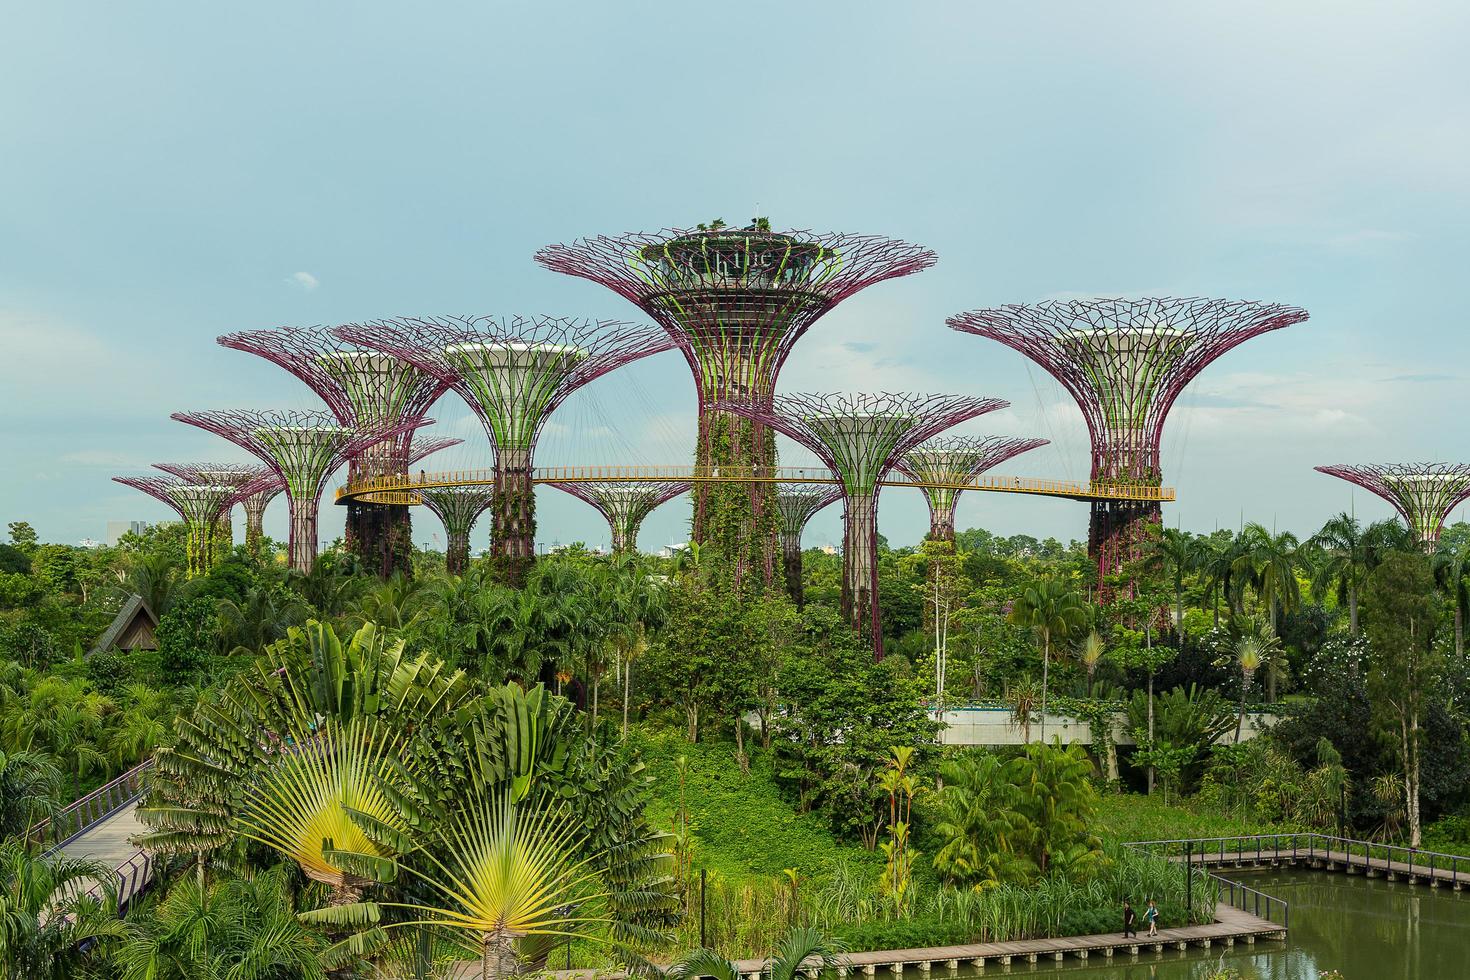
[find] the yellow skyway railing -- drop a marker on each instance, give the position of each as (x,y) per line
(400,488)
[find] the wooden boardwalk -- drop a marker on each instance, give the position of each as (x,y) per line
(1231,926)
(1421,868)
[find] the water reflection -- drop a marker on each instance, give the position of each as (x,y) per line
(1368,929)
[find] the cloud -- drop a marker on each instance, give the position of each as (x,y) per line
(303,280)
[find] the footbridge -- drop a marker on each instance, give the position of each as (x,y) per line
(100,827)
(402,488)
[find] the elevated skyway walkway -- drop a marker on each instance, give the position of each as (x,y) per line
(100,827)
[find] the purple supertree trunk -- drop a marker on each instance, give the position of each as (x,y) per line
(945,466)
(361,388)
(458,508)
(513,372)
(737,300)
(1424,494)
(1125,363)
(798,503)
(860,438)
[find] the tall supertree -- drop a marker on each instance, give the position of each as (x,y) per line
(623,504)
(304,449)
(457,508)
(860,438)
(798,503)
(249,480)
(1422,493)
(737,300)
(1125,363)
(362,388)
(198,506)
(949,463)
(513,371)
(254,505)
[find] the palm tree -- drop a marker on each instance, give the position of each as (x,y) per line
(977,821)
(1250,656)
(1215,558)
(1173,553)
(50,925)
(1451,569)
(1090,654)
(802,950)
(1269,561)
(1052,611)
(30,788)
(1340,561)
(262,616)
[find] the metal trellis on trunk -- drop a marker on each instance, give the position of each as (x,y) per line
(457,508)
(798,503)
(624,505)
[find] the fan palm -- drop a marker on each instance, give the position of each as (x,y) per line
(1053,611)
(1250,656)
(802,950)
(1090,653)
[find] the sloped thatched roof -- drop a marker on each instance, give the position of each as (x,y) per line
(131,611)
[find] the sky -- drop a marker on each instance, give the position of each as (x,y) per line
(171,171)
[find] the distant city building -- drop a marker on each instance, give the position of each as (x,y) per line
(116,529)
(89,543)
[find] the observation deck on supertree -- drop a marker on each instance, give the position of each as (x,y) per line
(1422,493)
(860,438)
(303,449)
(199,506)
(362,388)
(798,503)
(956,460)
(737,300)
(513,372)
(251,481)
(623,504)
(457,509)
(1125,363)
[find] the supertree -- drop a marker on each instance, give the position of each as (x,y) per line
(513,371)
(623,504)
(1422,493)
(737,300)
(1125,363)
(250,481)
(303,449)
(197,504)
(947,464)
(798,503)
(457,508)
(860,437)
(362,388)
(422,448)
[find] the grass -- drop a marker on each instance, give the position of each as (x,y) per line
(1133,817)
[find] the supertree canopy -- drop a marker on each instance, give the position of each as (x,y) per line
(797,503)
(1422,493)
(1125,363)
(304,449)
(421,448)
(860,438)
(737,300)
(623,504)
(249,480)
(513,372)
(947,463)
(457,508)
(361,388)
(198,505)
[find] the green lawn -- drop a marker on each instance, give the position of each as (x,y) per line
(1133,816)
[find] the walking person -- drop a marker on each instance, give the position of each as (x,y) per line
(1130,920)
(1151,916)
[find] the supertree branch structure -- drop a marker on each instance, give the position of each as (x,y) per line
(1125,363)
(421,449)
(362,388)
(303,449)
(860,438)
(797,504)
(950,461)
(457,508)
(198,506)
(737,300)
(249,480)
(513,372)
(623,504)
(1422,493)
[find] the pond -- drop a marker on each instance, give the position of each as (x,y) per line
(1366,928)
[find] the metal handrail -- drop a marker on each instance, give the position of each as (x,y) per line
(81,815)
(1413,857)
(1249,899)
(403,485)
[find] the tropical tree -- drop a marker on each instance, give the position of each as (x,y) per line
(1268,561)
(1052,611)
(978,822)
(804,949)
(30,788)
(51,925)
(1090,653)
(1251,653)
(1452,575)
(1172,553)
(1340,559)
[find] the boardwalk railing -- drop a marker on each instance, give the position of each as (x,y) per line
(75,819)
(1261,848)
(1234,893)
